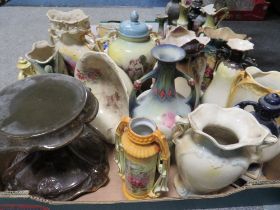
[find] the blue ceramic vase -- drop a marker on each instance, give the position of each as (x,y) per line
(161,103)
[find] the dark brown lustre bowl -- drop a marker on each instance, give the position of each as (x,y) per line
(44,112)
(62,174)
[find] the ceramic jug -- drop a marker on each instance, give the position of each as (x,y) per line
(253,83)
(215,146)
(162,103)
(141,149)
(228,69)
(45,58)
(132,48)
(110,85)
(71,34)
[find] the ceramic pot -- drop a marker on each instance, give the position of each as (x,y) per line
(227,71)
(140,149)
(172,11)
(162,103)
(71,34)
(110,85)
(132,49)
(45,58)
(223,142)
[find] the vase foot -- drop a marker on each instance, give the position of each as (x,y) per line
(180,188)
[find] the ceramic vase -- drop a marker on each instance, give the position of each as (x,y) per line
(45,58)
(110,85)
(211,19)
(215,146)
(161,103)
(140,149)
(132,48)
(227,71)
(172,10)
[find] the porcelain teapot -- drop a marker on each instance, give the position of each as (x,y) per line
(215,146)
(132,48)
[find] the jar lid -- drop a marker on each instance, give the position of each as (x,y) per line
(133,28)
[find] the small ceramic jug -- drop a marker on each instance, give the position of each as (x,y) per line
(140,149)
(215,146)
(45,58)
(172,11)
(132,48)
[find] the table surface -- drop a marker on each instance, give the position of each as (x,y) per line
(22,26)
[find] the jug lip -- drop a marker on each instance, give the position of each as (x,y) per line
(255,135)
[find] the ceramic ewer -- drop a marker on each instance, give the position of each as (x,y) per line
(131,50)
(162,103)
(214,146)
(45,58)
(253,83)
(212,16)
(34,127)
(219,38)
(228,69)
(110,85)
(70,32)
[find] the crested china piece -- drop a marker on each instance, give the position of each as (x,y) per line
(223,142)
(110,85)
(132,48)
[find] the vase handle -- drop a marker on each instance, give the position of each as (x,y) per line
(161,185)
(119,155)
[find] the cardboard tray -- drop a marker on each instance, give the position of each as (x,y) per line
(260,186)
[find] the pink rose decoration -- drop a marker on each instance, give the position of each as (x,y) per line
(168,119)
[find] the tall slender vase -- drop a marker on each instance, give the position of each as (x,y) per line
(183,16)
(162,104)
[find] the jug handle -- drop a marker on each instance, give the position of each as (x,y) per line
(243,104)
(119,155)
(182,124)
(163,165)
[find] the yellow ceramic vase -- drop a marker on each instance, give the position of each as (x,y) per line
(140,149)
